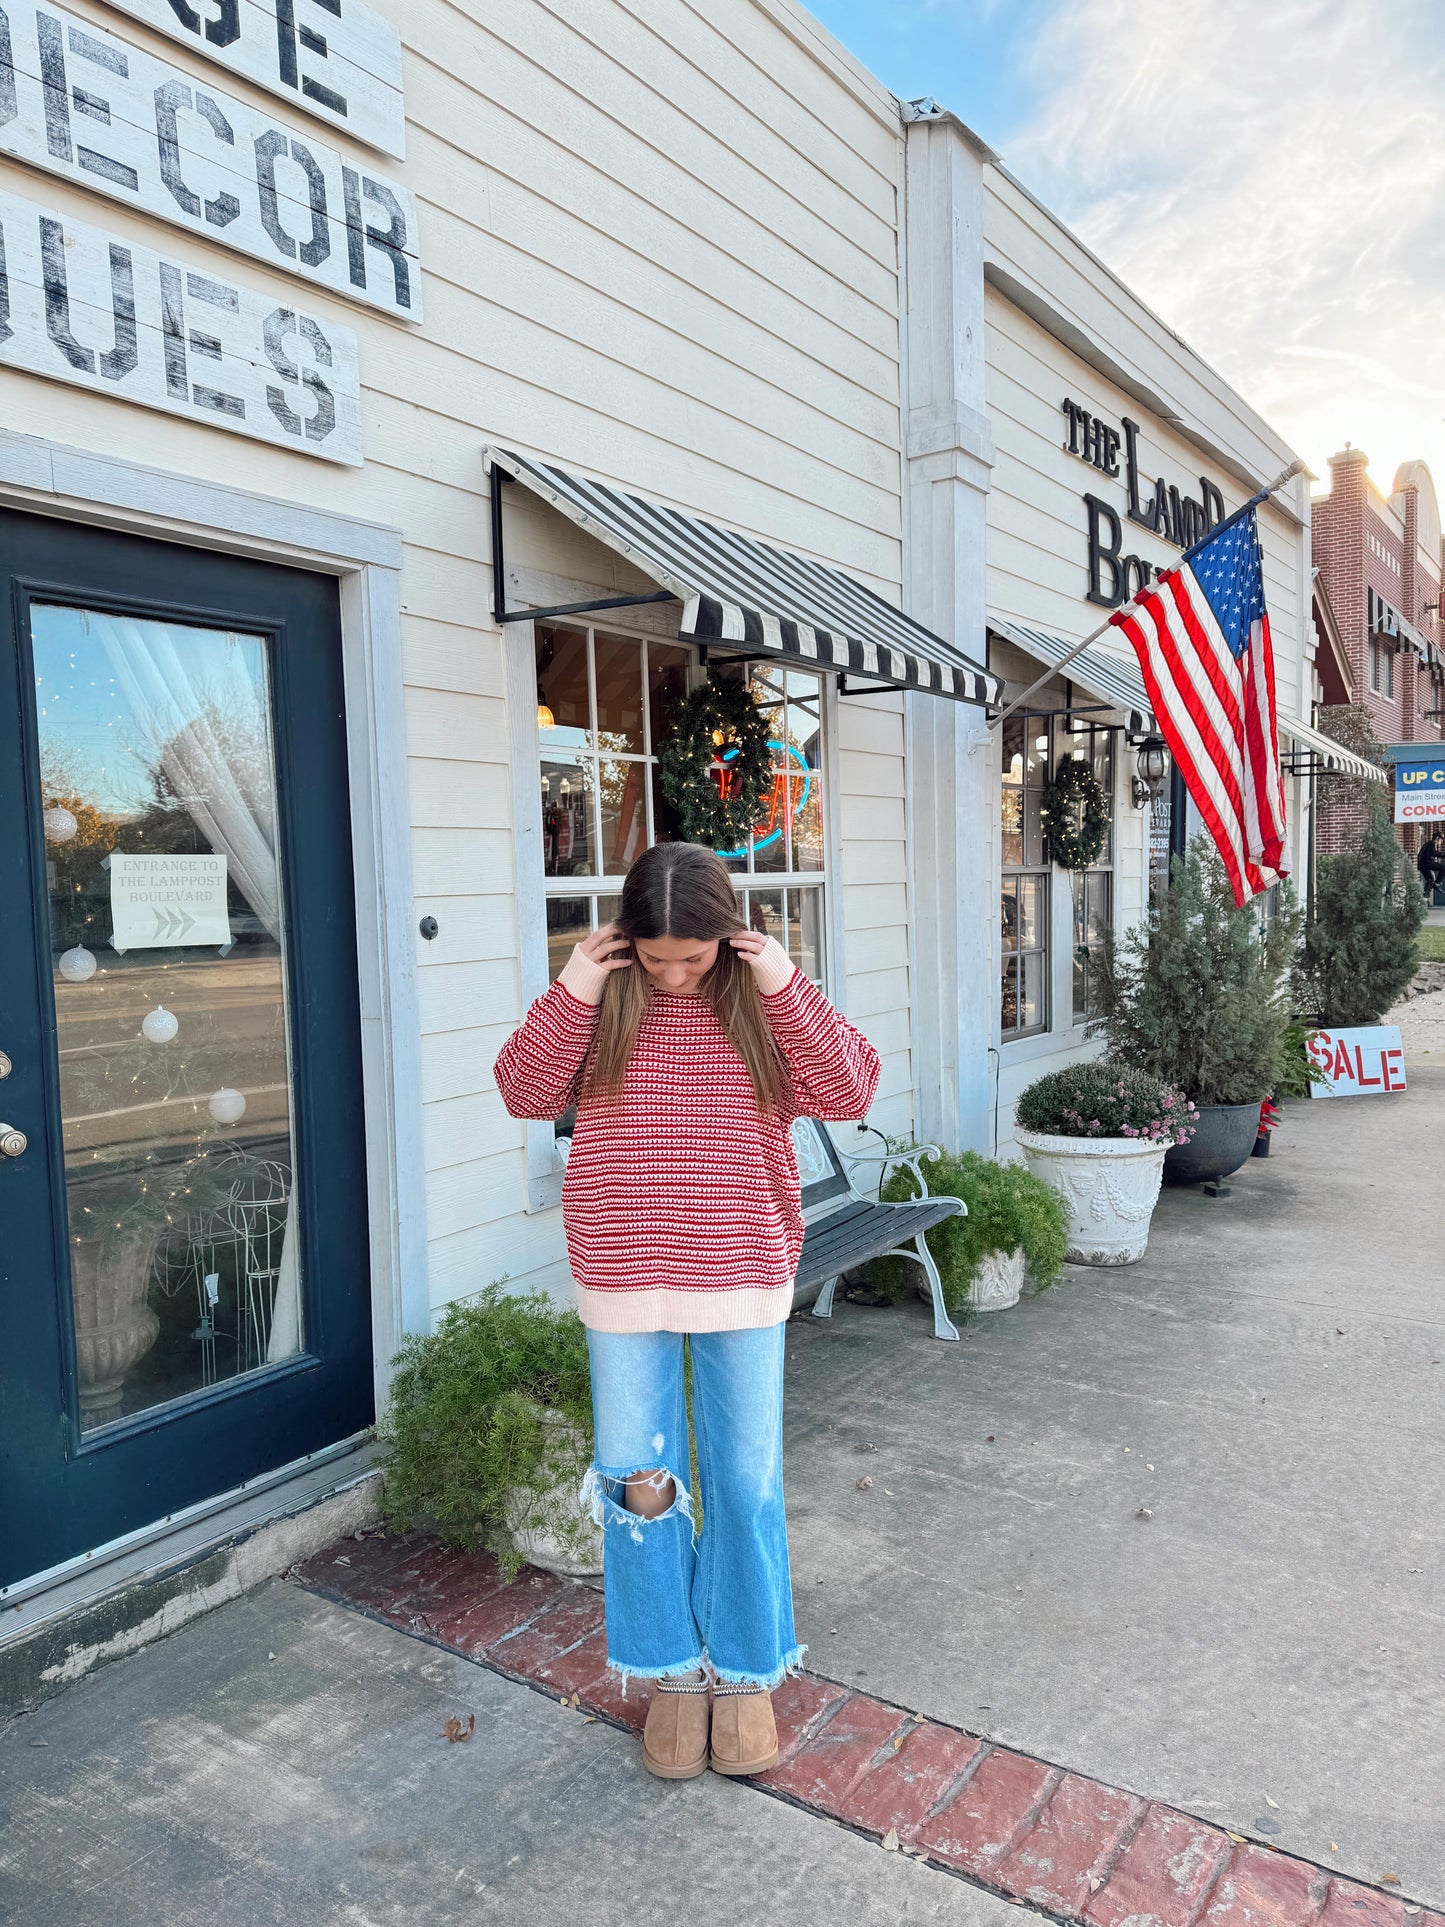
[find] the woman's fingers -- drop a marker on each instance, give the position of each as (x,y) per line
(607,948)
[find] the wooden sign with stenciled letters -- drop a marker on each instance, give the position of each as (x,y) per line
(103,313)
(115,119)
(334,58)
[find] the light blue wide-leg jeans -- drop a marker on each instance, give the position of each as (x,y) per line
(724,1596)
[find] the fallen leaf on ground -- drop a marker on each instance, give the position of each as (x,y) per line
(342,1560)
(1390,1879)
(590,1720)
(1143,1513)
(1237,1836)
(920,1718)
(1271,1803)
(890,1840)
(455,1729)
(898,1742)
(864,1483)
(576,1700)
(1094,1883)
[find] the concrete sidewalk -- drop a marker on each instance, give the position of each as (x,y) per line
(281,1763)
(1179,1526)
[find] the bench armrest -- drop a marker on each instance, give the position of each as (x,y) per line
(889,1161)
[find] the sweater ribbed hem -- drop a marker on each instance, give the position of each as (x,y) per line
(670,1308)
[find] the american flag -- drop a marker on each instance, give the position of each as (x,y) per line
(1201,633)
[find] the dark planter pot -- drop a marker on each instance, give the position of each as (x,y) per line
(1224,1139)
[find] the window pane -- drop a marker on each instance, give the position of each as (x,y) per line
(1013,751)
(1009,999)
(666,823)
(1031,991)
(168,934)
(1033,829)
(1030,912)
(568,921)
(624,814)
(607,908)
(567,820)
(619,693)
(805,932)
(1009,914)
(765,914)
(562,688)
(804,773)
(1013,826)
(666,687)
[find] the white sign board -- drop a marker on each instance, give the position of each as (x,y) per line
(1364,1062)
(1420,791)
(85,307)
(335,58)
(118,121)
(160,901)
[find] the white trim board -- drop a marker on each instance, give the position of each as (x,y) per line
(50,478)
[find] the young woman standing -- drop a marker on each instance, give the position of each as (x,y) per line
(688,1044)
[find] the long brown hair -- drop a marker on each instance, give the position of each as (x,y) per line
(682,890)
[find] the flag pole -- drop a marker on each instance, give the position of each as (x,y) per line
(1296,467)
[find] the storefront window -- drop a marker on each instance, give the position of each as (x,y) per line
(1093,888)
(604,703)
(1024,1004)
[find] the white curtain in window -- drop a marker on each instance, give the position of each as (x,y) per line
(206,728)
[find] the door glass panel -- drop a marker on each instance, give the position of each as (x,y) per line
(622,786)
(168,948)
(567,838)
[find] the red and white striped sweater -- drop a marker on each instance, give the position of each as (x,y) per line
(681,1199)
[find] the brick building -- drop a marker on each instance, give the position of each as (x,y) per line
(1379,640)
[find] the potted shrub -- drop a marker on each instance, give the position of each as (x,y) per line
(1097,1134)
(1014,1224)
(1198,997)
(1362,947)
(490,1432)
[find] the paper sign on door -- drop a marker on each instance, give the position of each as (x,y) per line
(158,901)
(1366,1062)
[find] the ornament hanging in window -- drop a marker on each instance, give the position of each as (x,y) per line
(76,965)
(159,1027)
(227,1106)
(60,824)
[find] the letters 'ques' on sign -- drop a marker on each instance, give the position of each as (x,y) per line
(1365,1062)
(87,308)
(116,120)
(335,58)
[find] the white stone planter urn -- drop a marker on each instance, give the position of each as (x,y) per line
(1109,1186)
(545,1520)
(996,1285)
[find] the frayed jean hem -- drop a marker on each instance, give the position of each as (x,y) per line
(620,1670)
(789,1665)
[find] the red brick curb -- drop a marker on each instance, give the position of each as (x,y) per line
(1068,1846)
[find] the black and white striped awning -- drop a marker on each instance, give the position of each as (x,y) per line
(749,595)
(1112,679)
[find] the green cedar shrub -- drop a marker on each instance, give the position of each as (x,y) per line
(1362,947)
(467,1421)
(1008,1208)
(1198,993)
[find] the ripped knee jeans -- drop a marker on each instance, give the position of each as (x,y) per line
(676,1598)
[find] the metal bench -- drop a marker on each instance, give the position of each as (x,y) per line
(843,1227)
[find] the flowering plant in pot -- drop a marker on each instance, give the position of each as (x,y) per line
(1014,1224)
(1198,995)
(1097,1134)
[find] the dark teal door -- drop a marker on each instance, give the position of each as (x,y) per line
(184,1295)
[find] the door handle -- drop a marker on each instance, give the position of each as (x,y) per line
(12,1142)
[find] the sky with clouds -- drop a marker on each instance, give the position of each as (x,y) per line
(1270,179)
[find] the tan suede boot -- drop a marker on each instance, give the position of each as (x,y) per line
(744,1737)
(674,1740)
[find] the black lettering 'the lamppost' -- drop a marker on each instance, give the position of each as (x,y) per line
(1104,555)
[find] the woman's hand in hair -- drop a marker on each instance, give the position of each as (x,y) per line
(593,961)
(770,964)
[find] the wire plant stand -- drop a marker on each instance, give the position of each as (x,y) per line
(228,1258)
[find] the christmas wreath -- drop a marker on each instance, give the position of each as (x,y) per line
(1075,816)
(716,769)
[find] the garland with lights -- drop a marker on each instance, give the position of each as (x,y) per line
(715,725)
(1075,816)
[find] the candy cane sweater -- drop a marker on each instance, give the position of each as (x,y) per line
(681,1199)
